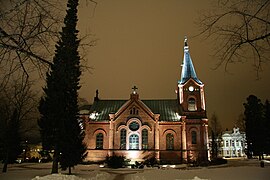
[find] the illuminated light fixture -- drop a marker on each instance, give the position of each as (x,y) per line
(172,166)
(93,115)
(178,116)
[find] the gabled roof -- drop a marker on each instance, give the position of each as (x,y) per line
(167,108)
(188,70)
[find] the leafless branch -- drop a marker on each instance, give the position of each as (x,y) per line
(236,26)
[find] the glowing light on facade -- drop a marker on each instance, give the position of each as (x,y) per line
(93,115)
(178,116)
(133,154)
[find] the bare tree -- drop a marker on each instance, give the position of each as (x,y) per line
(240,122)
(241,30)
(29,30)
(18,115)
(215,131)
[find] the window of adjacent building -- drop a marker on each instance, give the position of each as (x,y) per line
(123,134)
(232,143)
(169,141)
(134,141)
(192,104)
(99,141)
(144,139)
(227,144)
(228,152)
(237,143)
(193,137)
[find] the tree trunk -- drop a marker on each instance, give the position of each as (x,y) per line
(5,167)
(69,170)
(55,162)
(4,170)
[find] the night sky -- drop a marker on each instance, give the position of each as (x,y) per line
(141,43)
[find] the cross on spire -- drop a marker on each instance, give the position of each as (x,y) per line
(134,90)
(185,41)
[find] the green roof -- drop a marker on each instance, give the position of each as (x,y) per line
(167,108)
(106,107)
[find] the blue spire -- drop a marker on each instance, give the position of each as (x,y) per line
(188,70)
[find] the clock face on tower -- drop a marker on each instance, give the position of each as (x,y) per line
(191,88)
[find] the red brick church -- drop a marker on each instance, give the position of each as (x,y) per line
(171,130)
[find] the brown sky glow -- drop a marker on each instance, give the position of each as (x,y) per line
(141,43)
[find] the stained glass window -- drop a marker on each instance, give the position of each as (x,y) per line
(99,141)
(123,135)
(144,139)
(169,141)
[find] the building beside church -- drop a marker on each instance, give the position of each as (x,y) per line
(171,130)
(233,143)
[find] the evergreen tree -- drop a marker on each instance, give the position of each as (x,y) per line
(12,146)
(254,126)
(59,107)
(267,126)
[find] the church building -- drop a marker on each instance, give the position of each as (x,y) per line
(171,130)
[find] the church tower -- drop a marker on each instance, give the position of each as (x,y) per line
(190,88)
(192,112)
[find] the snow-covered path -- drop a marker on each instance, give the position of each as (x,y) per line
(246,170)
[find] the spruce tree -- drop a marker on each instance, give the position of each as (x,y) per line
(267,126)
(59,107)
(254,126)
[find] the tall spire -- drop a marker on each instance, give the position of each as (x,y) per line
(188,70)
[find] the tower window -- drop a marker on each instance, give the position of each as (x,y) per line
(169,141)
(192,104)
(99,141)
(193,137)
(123,135)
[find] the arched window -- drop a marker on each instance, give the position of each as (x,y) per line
(134,141)
(123,134)
(193,137)
(134,111)
(144,139)
(99,141)
(192,104)
(169,141)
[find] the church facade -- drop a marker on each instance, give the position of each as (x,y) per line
(171,130)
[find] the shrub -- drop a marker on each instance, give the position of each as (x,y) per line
(218,161)
(115,161)
(151,162)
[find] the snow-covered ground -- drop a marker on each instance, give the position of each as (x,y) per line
(235,169)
